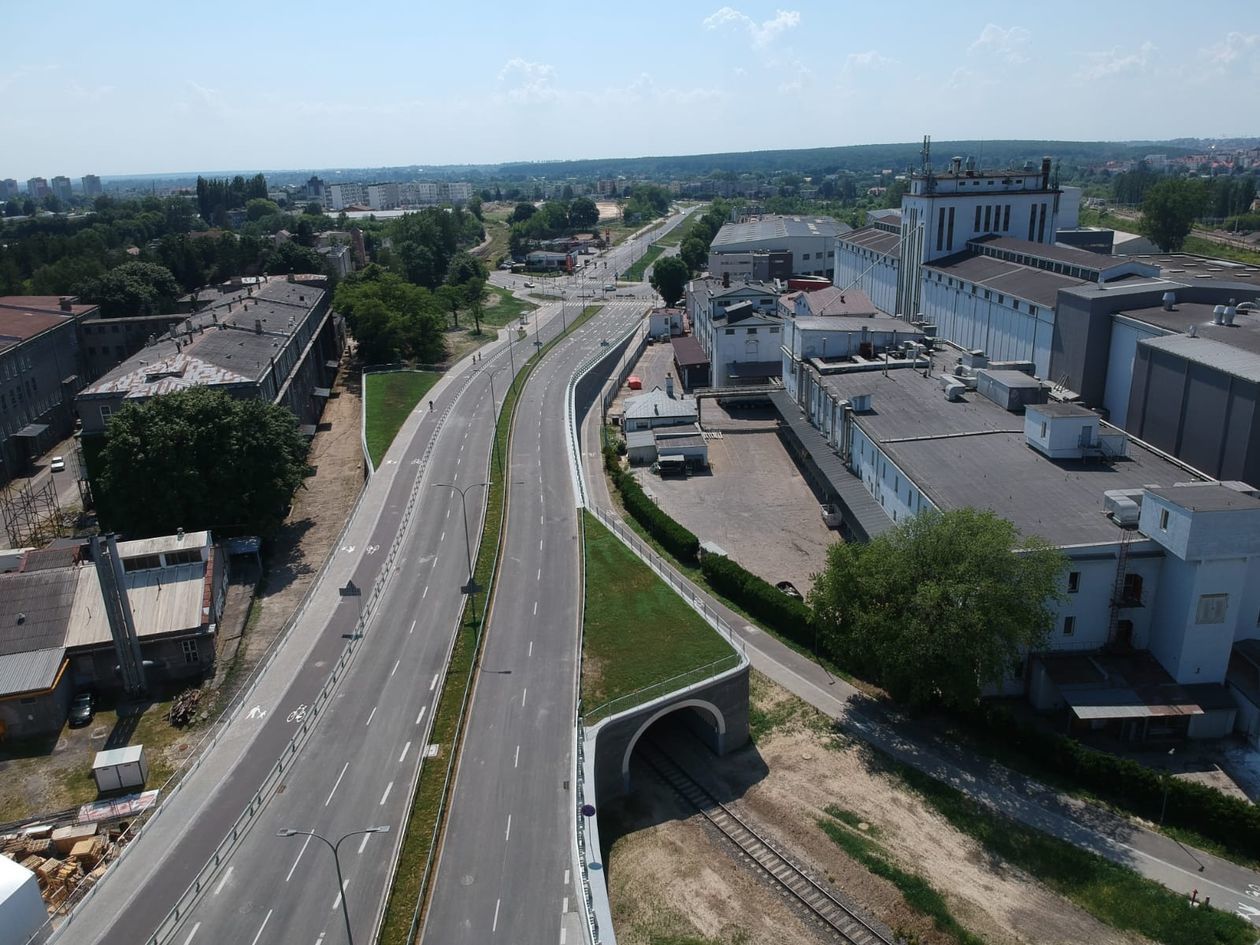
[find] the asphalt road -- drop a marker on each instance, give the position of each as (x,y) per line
(504,866)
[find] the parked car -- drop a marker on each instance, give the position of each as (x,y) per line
(530,285)
(82,708)
(610,287)
(58,464)
(788,588)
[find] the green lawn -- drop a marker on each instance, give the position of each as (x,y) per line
(390,398)
(638,632)
(1205,247)
(502,307)
(635,272)
(1114,894)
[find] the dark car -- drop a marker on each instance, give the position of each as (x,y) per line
(788,588)
(82,708)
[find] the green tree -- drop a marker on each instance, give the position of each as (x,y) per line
(390,318)
(669,278)
(1169,210)
(313,209)
(940,607)
(583,213)
(474,293)
(258,207)
(452,297)
(198,459)
(134,288)
(522,212)
(465,267)
(694,251)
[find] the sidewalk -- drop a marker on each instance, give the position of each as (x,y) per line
(1153,855)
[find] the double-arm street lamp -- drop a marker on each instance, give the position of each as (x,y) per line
(471,587)
(335,847)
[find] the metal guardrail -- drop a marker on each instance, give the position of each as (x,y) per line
(170,923)
(632,700)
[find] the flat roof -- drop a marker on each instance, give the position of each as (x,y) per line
(128,754)
(18,325)
(974,453)
(1208,497)
(771,227)
(1244,334)
(1057,409)
(876,240)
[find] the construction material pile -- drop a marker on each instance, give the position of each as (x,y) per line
(65,858)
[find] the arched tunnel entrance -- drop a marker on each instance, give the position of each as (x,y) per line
(668,729)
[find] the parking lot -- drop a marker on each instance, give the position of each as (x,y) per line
(752,502)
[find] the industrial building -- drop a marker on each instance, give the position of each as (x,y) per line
(738,327)
(775,247)
(658,408)
(57,633)
(40,372)
(1163,586)
(277,342)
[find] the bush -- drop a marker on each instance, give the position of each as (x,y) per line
(677,540)
(785,615)
(1229,821)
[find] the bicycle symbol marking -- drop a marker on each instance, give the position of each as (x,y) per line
(298,714)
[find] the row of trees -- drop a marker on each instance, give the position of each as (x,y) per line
(530,223)
(215,196)
(670,274)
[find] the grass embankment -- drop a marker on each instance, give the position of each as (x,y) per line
(502,307)
(1201,246)
(846,830)
(390,398)
(637,632)
(1112,893)
(635,272)
(448,713)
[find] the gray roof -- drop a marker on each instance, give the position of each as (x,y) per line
(769,229)
(657,403)
(876,240)
(1000,275)
(1208,497)
(35,609)
(1244,333)
(31,671)
(1056,409)
(974,453)
(1226,358)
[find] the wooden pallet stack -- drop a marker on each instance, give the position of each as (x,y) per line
(65,859)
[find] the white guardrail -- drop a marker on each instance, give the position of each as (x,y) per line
(171,922)
(670,575)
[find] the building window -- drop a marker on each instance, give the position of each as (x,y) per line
(1212,608)
(1163,520)
(191,653)
(106,410)
(977,226)
(1069,626)
(1074,582)
(142,563)
(730,331)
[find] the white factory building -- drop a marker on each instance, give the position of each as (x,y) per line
(775,247)
(1158,632)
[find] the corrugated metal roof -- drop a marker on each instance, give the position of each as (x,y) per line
(153,546)
(657,403)
(1222,357)
(30,671)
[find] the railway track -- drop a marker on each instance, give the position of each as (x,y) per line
(830,911)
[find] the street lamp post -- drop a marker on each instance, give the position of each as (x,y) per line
(335,847)
(471,587)
(494,425)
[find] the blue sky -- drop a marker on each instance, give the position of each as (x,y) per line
(139,87)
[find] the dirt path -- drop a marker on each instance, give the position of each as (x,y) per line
(672,874)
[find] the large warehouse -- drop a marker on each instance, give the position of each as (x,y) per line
(775,247)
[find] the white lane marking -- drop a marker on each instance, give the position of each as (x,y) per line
(566,877)
(422,597)
(508,833)
(406,748)
(413,623)
(523,691)
(296,861)
(363,843)
(535,608)
(539,578)
(395,669)
(541,520)
(433,685)
(421,715)
(371,715)
(564,934)
(266,919)
(443,538)
(531,647)
(448,512)
(495,926)
(540,541)
(334,790)
(565,906)
(458,461)
(219,888)
(389,787)
(337,901)
(192,933)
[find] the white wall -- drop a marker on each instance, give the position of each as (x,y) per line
(1125,335)
(873,273)
(991,324)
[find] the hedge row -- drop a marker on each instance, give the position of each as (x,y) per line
(1230,821)
(677,540)
(786,616)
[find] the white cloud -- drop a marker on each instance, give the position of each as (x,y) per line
(529,82)
(1236,46)
(761,34)
(1115,61)
(1009,45)
(871,59)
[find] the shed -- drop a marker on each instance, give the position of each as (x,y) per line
(22,914)
(641,447)
(120,768)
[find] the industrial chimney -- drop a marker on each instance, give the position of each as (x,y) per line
(1045,173)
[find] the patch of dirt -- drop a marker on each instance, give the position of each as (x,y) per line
(670,863)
